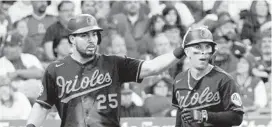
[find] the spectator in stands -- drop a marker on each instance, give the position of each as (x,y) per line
(37,24)
(172,18)
(117,46)
(61,47)
(224,58)
(268,86)
(221,10)
(196,9)
(99,9)
(252,88)
(154,27)
(132,25)
(5,21)
(20,26)
(173,34)
(219,7)
(24,70)
(19,10)
(158,103)
(119,7)
(227,28)
(128,108)
(59,28)
(110,29)
(5,5)
(264,64)
(257,20)
(161,45)
(5,24)
(88,7)
(14,105)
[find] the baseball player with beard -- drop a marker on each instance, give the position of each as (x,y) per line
(205,95)
(86,86)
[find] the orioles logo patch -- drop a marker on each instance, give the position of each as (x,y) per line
(90,21)
(236,99)
(204,33)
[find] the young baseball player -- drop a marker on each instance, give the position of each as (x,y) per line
(205,95)
(85,86)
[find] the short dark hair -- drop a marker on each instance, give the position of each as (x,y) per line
(152,21)
(63,2)
(56,43)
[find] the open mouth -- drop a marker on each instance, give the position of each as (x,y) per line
(204,59)
(90,47)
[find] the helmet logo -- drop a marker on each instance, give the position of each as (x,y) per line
(89,21)
(204,33)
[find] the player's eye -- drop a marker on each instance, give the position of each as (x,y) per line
(208,46)
(94,33)
(83,35)
(197,46)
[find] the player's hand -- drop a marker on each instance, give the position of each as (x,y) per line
(190,116)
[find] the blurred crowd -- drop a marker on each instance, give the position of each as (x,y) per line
(34,33)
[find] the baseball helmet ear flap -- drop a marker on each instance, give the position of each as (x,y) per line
(212,58)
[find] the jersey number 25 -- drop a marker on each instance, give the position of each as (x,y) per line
(101,101)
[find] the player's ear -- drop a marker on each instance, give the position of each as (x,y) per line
(186,51)
(71,39)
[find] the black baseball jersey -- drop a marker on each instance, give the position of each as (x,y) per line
(215,92)
(88,95)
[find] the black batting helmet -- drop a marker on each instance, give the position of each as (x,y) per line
(197,35)
(84,23)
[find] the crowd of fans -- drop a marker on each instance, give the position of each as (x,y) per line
(34,33)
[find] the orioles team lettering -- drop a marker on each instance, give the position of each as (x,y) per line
(194,99)
(68,86)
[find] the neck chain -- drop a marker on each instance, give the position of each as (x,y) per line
(188,80)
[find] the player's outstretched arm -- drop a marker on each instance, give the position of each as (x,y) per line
(37,115)
(161,63)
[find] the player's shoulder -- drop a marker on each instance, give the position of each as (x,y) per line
(220,74)
(57,64)
(182,76)
(106,57)
(115,58)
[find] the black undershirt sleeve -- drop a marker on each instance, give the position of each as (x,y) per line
(232,118)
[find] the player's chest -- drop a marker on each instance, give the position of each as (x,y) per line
(83,80)
(198,95)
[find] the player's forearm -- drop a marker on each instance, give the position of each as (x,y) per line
(158,64)
(161,63)
(37,115)
(225,118)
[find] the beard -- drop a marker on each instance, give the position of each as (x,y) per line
(42,9)
(84,54)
